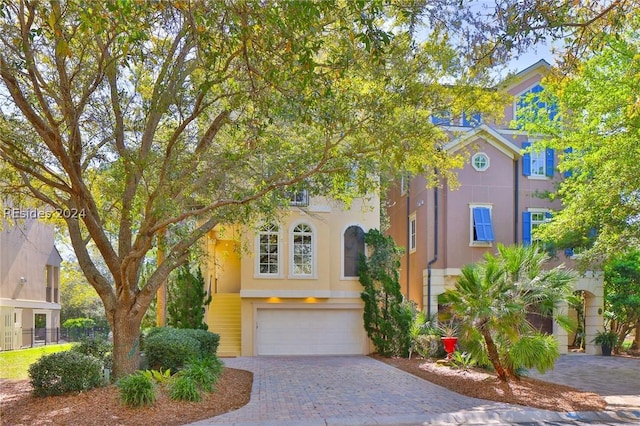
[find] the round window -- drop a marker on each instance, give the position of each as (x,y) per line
(480,161)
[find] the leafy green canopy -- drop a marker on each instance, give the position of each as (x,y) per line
(168,118)
(597,129)
(622,294)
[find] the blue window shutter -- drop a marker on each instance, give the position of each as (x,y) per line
(550,162)
(553,111)
(471,120)
(526,228)
(482,224)
(568,173)
(548,215)
(526,160)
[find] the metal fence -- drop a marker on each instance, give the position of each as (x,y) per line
(46,336)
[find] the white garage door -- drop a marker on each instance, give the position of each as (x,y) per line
(310,332)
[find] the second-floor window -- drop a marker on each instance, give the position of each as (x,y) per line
(537,163)
(302,247)
(298,198)
(412,233)
(481,225)
(353,249)
(269,250)
(531,220)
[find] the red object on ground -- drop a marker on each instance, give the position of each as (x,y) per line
(449,345)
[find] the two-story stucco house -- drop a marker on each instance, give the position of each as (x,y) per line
(498,201)
(291,287)
(29,281)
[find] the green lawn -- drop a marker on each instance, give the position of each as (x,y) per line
(14,364)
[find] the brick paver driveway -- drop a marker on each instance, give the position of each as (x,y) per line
(350,390)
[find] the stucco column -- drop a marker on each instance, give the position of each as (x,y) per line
(593,310)
(562,336)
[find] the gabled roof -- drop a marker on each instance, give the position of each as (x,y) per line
(540,67)
(488,134)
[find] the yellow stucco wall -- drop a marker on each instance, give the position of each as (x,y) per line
(232,264)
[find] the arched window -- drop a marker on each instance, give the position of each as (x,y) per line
(353,248)
(302,262)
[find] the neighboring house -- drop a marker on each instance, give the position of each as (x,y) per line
(29,282)
(498,202)
(291,287)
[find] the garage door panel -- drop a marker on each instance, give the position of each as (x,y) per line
(310,332)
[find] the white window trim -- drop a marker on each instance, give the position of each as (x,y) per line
(412,242)
(314,252)
(256,270)
(537,210)
(473,158)
(472,242)
(344,229)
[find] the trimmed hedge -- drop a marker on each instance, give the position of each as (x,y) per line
(64,372)
(171,348)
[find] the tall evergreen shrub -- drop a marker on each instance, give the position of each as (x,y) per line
(386,320)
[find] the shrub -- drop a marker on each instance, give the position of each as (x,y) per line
(463,360)
(97,348)
(79,323)
(167,347)
(170,350)
(204,372)
(208,341)
(160,377)
(184,388)
(63,372)
(428,346)
(137,390)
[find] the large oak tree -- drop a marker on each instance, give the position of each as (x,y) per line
(168,118)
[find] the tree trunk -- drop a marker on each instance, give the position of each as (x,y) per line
(126,343)
(494,356)
(636,341)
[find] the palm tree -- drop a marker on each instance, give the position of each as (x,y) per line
(491,300)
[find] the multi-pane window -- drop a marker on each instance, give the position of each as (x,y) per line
(412,233)
(480,161)
(353,249)
(268,259)
(531,220)
(302,250)
(299,198)
(537,163)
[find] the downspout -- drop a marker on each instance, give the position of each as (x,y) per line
(408,237)
(516,190)
(435,249)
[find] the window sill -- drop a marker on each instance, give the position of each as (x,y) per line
(268,277)
(480,244)
(539,177)
(302,277)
